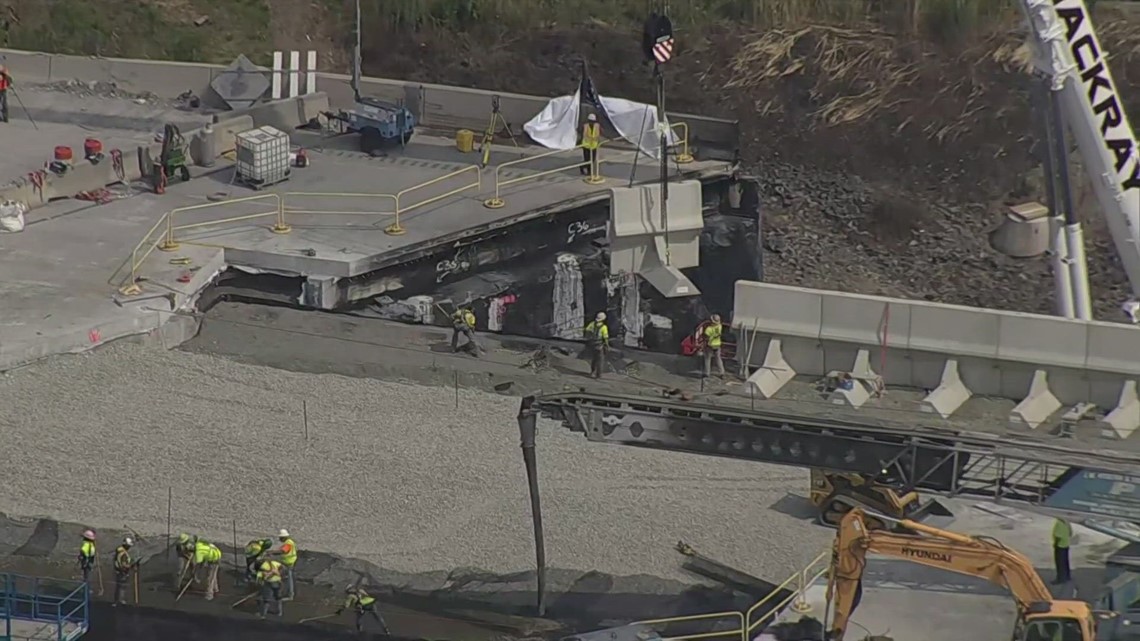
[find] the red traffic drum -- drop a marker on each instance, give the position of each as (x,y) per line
(92,147)
(63,154)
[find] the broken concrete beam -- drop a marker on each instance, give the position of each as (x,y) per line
(950,394)
(1074,415)
(856,387)
(774,373)
(1123,420)
(1037,406)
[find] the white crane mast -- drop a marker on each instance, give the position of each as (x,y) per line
(1070,55)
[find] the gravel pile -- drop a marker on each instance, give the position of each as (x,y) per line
(390,473)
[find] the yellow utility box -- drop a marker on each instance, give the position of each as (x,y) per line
(465,141)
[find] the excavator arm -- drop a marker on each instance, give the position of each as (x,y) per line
(972,556)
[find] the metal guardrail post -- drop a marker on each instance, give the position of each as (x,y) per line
(801,604)
(168,244)
(397,229)
(595,177)
(684,157)
(497,201)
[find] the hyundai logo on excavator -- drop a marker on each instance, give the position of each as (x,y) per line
(941,557)
(1114,128)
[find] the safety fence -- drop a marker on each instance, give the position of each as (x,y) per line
(593,178)
(749,622)
(168,233)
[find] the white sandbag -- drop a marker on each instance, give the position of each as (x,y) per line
(12,216)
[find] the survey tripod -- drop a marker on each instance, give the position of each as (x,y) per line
(489,133)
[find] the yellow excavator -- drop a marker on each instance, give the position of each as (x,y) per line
(835,494)
(1040,616)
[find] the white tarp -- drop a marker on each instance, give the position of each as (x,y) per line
(12,216)
(637,123)
(556,126)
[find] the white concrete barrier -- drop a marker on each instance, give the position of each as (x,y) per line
(1044,363)
(436,106)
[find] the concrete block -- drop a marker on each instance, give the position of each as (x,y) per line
(1037,406)
(83,176)
(161,77)
(856,387)
(774,373)
(1113,347)
(1124,419)
(871,321)
(950,394)
(226,130)
(286,114)
(27,66)
(954,330)
(1042,340)
(778,309)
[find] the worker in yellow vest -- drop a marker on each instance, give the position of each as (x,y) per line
(364,604)
(269,580)
(591,140)
(209,556)
(709,339)
(463,322)
(597,336)
(123,564)
(87,554)
(286,550)
(1062,537)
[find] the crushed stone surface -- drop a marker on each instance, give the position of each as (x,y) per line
(393,474)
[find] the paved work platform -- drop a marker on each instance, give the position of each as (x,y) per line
(37,631)
(63,269)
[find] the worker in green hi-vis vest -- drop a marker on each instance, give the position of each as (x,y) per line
(1062,537)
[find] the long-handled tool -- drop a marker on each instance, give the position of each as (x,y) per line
(99,573)
(184,589)
(26,112)
(136,585)
(245,598)
(323,616)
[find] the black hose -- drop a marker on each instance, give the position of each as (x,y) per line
(528,420)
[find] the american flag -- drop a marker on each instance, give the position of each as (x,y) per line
(663,50)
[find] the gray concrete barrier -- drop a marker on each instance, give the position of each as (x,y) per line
(1045,363)
(437,106)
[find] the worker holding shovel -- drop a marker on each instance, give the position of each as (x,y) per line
(363,604)
(209,556)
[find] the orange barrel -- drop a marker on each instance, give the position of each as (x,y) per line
(92,147)
(63,153)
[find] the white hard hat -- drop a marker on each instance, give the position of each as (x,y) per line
(128,541)
(283,533)
(600,317)
(1132,310)
(89,535)
(592,118)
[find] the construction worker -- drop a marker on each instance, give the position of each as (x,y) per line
(253,551)
(463,322)
(185,546)
(87,554)
(364,604)
(591,140)
(709,338)
(209,556)
(286,550)
(269,578)
(598,342)
(5,85)
(1062,537)
(123,565)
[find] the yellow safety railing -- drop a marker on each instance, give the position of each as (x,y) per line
(683,156)
(595,178)
(396,229)
(798,584)
(170,241)
(287,209)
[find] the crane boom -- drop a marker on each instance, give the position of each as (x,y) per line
(1071,56)
(972,556)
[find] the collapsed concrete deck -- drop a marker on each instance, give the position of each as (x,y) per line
(64,269)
